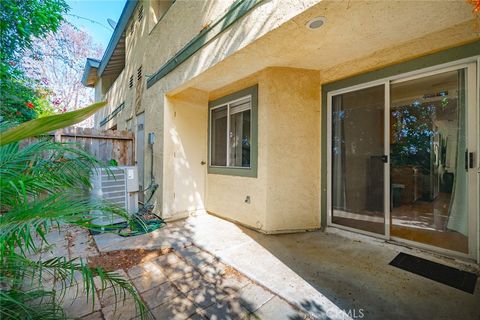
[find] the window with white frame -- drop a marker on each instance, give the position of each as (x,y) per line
(231,133)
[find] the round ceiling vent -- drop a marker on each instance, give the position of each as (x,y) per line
(316,23)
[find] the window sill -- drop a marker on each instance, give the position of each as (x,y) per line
(233,171)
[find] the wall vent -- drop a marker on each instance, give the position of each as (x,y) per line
(139,73)
(140,13)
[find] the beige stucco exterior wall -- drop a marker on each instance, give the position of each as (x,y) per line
(293,132)
(170,34)
(286,194)
(226,194)
(117,94)
(117,90)
(176,31)
(236,50)
(282,22)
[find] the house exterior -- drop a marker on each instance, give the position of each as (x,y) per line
(289,116)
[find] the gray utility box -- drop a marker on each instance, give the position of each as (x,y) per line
(117,185)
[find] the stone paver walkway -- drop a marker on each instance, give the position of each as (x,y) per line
(188,283)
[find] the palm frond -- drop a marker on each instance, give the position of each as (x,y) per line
(44,184)
(65,274)
(33,305)
(46,159)
(18,224)
(46,124)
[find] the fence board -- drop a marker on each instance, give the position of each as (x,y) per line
(104,145)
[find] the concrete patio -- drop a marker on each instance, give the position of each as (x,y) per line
(321,275)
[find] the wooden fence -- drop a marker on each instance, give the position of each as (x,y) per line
(104,145)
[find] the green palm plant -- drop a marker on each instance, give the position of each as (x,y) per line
(43,186)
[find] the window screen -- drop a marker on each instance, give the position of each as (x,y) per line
(231,131)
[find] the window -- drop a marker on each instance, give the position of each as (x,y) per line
(130,82)
(139,73)
(233,133)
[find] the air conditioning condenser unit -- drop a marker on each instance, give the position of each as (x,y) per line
(118,186)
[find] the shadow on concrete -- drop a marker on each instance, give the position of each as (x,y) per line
(190,282)
(356,276)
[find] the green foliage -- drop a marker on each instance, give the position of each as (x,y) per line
(112,163)
(21,99)
(43,186)
(46,124)
(14,94)
(412,131)
(20,22)
(43,107)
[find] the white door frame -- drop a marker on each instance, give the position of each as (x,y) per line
(386,149)
(472,66)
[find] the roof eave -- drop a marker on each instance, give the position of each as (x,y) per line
(89,76)
(127,12)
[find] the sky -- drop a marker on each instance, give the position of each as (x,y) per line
(91,16)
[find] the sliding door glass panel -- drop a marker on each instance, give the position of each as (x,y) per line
(427,148)
(357,159)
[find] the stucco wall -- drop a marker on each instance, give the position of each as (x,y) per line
(176,31)
(293,132)
(98,97)
(285,194)
(226,194)
(114,96)
(116,90)
(238,51)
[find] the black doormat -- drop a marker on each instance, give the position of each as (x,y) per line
(452,277)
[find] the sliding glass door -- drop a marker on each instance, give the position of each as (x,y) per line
(429,180)
(358,159)
(402,159)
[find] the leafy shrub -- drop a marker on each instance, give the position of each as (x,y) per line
(43,185)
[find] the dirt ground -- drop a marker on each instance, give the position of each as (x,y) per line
(125,259)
